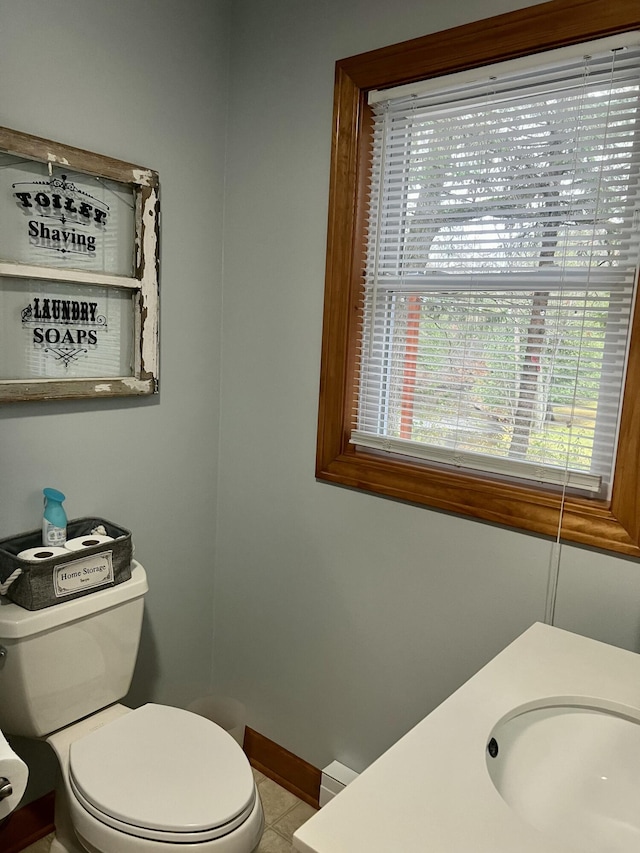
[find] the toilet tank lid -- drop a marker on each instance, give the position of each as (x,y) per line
(16,622)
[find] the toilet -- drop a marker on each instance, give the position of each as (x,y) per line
(156,779)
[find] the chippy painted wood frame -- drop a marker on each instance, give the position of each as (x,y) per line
(143,285)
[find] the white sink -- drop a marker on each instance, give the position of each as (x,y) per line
(572,772)
(564,711)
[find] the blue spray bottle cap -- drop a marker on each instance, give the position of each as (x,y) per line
(53,509)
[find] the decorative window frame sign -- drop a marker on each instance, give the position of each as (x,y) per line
(79,273)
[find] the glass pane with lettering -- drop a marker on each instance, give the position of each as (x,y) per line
(56,217)
(53,330)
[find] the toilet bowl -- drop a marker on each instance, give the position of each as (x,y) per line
(154,779)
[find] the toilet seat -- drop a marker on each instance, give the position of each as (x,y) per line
(163,774)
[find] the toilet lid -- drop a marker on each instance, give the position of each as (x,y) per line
(161,772)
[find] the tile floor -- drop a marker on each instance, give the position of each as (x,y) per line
(283,814)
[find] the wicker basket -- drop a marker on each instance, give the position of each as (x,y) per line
(61,578)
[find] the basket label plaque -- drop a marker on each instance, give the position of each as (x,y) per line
(85,573)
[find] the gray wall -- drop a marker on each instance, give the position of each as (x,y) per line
(341,618)
(143,82)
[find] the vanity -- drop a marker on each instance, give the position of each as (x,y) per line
(538,752)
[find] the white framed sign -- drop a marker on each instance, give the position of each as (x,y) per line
(79,260)
(85,573)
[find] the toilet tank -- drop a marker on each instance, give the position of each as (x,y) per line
(64,662)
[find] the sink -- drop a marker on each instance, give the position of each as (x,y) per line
(538,752)
(572,771)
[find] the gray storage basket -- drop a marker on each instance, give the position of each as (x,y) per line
(36,585)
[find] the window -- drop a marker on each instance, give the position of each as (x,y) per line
(79,257)
(482,260)
(502,248)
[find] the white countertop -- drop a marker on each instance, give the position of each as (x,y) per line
(431,791)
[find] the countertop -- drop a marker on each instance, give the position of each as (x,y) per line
(431,791)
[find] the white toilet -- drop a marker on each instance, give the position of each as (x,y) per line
(151,779)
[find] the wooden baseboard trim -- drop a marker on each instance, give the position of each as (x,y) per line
(292,773)
(27,825)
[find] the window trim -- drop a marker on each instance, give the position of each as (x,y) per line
(611,525)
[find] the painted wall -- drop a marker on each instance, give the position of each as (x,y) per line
(143,82)
(341,619)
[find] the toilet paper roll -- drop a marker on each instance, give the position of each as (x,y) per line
(44,552)
(90,541)
(16,773)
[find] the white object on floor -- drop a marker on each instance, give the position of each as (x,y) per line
(335,778)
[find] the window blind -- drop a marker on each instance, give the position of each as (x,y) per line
(501,266)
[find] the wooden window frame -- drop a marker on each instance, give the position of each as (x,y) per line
(143,284)
(612,525)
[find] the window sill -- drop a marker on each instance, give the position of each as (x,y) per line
(584,521)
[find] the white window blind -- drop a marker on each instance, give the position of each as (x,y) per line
(501,266)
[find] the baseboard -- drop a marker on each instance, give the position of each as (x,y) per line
(292,773)
(27,825)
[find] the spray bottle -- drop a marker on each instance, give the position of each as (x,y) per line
(54,519)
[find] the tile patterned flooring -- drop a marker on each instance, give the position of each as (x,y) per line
(283,814)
